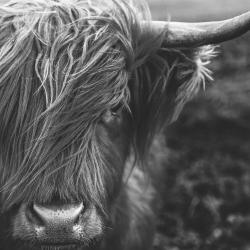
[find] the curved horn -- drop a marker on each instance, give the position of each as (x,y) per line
(197,34)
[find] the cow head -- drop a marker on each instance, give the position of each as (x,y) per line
(84,85)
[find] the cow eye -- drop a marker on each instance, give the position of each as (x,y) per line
(112,115)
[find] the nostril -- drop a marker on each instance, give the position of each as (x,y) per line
(56,215)
(33,217)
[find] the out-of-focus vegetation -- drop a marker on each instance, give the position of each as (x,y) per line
(206,191)
(206,188)
(193,10)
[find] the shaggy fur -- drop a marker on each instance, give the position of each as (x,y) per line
(82,88)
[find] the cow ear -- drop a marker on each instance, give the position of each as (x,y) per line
(161,86)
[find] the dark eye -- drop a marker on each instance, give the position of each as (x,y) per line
(112,115)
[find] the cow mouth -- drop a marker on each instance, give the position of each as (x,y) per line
(67,246)
(49,244)
(59,246)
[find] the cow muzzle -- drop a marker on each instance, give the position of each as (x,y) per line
(60,225)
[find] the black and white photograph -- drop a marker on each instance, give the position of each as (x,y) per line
(124,125)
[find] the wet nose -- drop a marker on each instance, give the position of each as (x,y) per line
(56,216)
(53,223)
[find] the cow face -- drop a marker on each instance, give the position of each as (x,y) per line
(81,87)
(65,121)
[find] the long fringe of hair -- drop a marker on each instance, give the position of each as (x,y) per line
(63,63)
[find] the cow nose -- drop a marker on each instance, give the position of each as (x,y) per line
(56,216)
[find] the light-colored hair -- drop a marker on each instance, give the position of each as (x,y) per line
(62,65)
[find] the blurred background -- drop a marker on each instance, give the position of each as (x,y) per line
(206,153)
(193,10)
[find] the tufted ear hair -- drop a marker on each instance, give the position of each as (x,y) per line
(161,86)
(172,75)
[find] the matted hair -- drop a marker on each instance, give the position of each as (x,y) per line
(63,63)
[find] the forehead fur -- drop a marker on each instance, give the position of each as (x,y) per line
(63,63)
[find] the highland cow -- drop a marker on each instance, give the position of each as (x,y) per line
(84,87)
